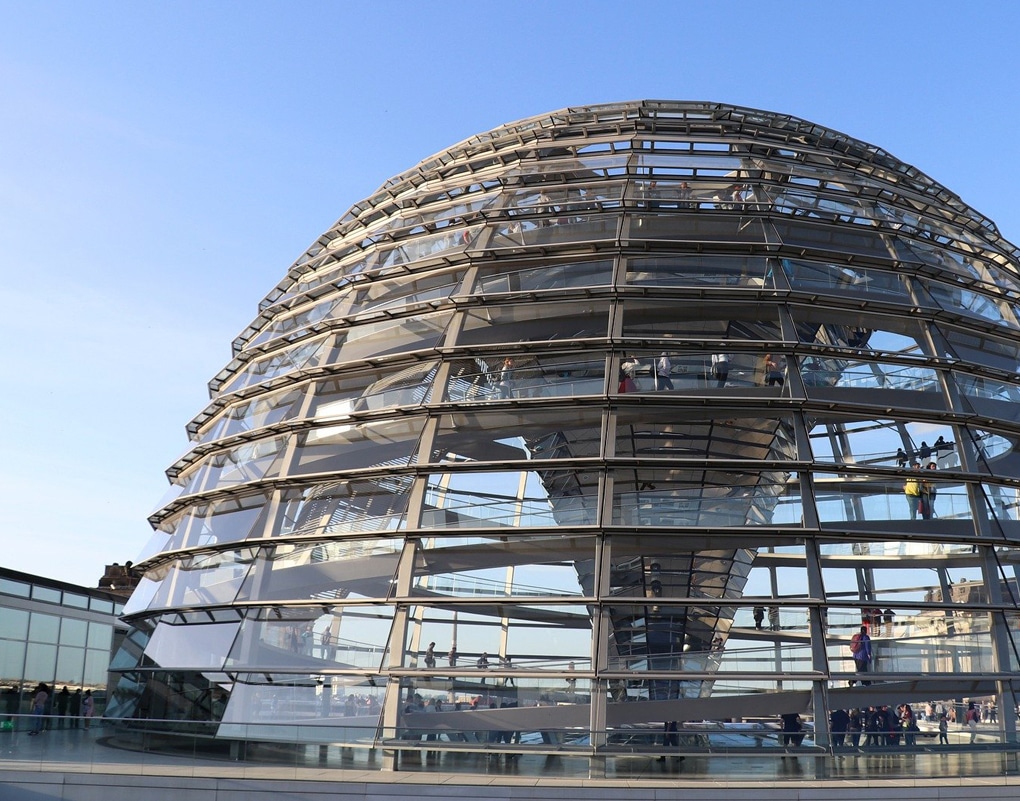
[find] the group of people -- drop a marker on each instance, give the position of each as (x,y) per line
(920,492)
(925,453)
(879,725)
(759,618)
(482,662)
(75,707)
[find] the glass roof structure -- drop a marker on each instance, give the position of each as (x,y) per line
(595,435)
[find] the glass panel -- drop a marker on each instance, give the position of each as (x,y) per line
(864,498)
(245,463)
(988,397)
(535,322)
(44,628)
(11,587)
(886,442)
(424,247)
(671,434)
(695,497)
(478,654)
(147,587)
(842,280)
(297,322)
(995,453)
(556,230)
(978,348)
(497,436)
(100,636)
(351,446)
(1003,505)
(833,239)
(354,704)
(721,270)
(348,506)
(388,337)
(959,300)
(330,570)
(511,499)
(528,567)
(47,594)
(14,624)
(677,370)
(525,375)
(12,664)
(702,227)
(40,663)
(339,397)
(204,579)
(76,601)
(70,666)
(97,664)
(855,374)
(444,209)
(195,646)
(357,638)
(298,357)
(547,205)
(223,520)
(72,632)
(104,606)
(262,411)
(660,319)
(547,277)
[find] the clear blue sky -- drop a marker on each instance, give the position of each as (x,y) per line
(162,164)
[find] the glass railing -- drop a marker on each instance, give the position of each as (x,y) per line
(492,733)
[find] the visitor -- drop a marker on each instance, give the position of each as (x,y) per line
(854,727)
(909,726)
(720,368)
(929,491)
(860,647)
(793,729)
(39,700)
(912,492)
(839,724)
(504,383)
(88,708)
(663,368)
(685,195)
(773,371)
(971,719)
(63,700)
(628,370)
(887,618)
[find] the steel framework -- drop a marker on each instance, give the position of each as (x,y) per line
(594,434)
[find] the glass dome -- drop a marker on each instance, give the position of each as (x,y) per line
(605,434)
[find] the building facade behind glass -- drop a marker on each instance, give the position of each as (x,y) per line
(606,434)
(56,634)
